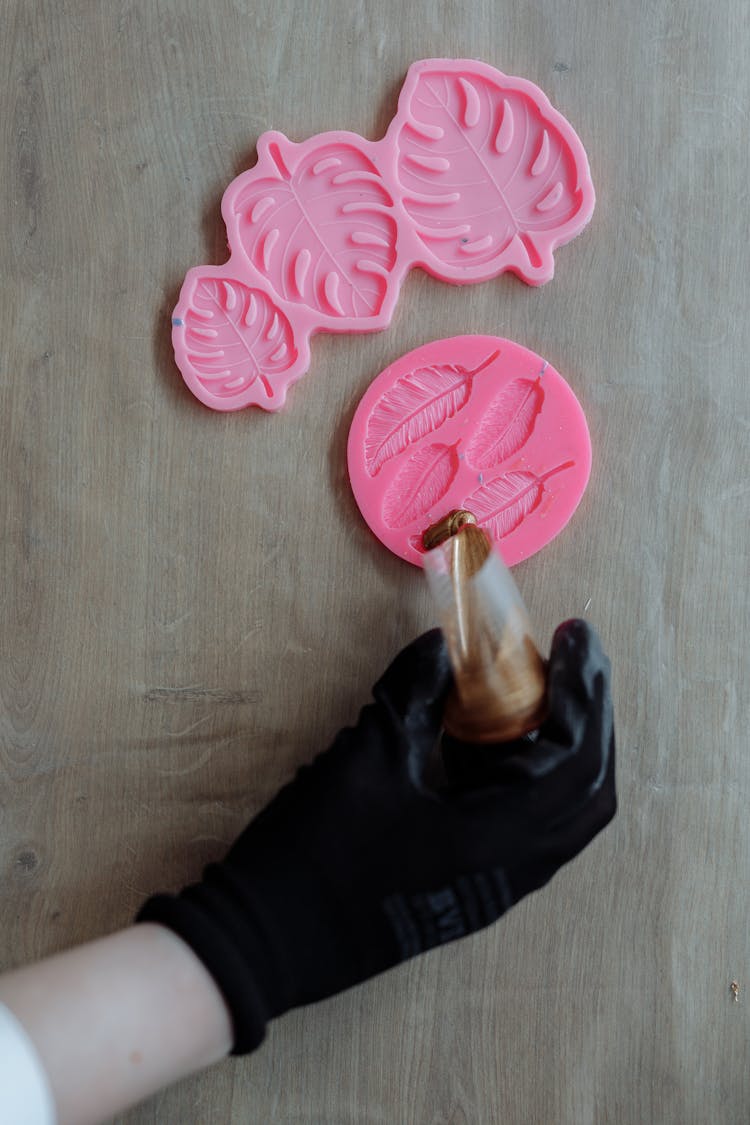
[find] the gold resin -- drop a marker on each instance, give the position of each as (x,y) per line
(499,675)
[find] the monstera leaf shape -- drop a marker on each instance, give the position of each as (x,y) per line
(493,177)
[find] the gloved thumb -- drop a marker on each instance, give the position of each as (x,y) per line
(410,695)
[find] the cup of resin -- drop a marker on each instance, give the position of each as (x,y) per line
(499,691)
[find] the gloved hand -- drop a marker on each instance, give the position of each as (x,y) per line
(357,864)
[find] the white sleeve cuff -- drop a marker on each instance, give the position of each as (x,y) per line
(25,1095)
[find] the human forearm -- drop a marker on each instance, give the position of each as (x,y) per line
(115,1020)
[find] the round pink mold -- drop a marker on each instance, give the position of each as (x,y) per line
(475,422)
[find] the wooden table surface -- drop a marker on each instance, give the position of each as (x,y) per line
(191,605)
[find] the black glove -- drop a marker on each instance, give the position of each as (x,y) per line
(357,864)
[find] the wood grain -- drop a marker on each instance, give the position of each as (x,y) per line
(180,626)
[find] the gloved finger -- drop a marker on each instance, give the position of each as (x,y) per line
(578,675)
(571,835)
(410,697)
(595,804)
(573,748)
(403,723)
(544,846)
(470,765)
(568,754)
(551,853)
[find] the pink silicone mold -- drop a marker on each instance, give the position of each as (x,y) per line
(476,175)
(473,422)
